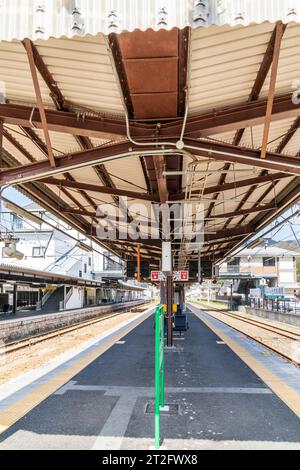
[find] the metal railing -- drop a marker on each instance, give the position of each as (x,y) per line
(276,305)
(45,297)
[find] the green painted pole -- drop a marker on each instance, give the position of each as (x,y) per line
(162,382)
(157,377)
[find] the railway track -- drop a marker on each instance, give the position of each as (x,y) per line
(278,332)
(18,345)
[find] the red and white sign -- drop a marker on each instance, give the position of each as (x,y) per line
(154,276)
(157,276)
(178,276)
(181,276)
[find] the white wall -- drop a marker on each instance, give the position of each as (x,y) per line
(286,269)
(76,299)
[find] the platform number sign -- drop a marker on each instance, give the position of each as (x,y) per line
(181,276)
(157,276)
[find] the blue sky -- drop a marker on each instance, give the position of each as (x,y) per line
(16,196)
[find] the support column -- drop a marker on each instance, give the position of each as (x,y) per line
(167,269)
(163,293)
(64,304)
(15,299)
(170,311)
(1,143)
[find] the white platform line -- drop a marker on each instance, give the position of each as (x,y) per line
(111,390)
(113,432)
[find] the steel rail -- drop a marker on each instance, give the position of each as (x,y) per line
(17,345)
(277,330)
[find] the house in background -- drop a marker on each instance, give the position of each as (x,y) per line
(41,246)
(276,262)
(39,241)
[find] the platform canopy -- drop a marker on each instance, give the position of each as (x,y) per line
(159,101)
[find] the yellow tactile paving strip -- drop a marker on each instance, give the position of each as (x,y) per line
(35,397)
(289,396)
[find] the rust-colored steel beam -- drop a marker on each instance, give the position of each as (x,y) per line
(1,142)
(62,105)
(283,204)
(288,136)
(43,148)
(260,78)
(228,233)
(258,208)
(244,156)
(17,145)
(50,201)
(254,96)
(72,122)
(244,183)
(86,213)
(28,47)
(223,120)
(55,92)
(159,164)
(216,151)
(288,196)
(98,189)
(271,94)
(237,184)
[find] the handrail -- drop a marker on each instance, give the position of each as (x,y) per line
(159,369)
(69,295)
(46,297)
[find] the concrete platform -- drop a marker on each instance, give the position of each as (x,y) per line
(31,314)
(221,402)
(21,327)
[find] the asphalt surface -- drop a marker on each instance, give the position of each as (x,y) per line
(220,402)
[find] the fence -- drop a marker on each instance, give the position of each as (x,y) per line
(276,305)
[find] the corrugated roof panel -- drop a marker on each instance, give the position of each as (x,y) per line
(131,171)
(99,142)
(74,193)
(16,76)
(86,175)
(224,137)
(293,147)
(61,143)
(15,152)
(253,136)
(97,88)
(239,50)
(35,19)
(18,134)
(288,67)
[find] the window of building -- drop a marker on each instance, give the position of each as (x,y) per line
(18,222)
(80,273)
(85,268)
(110,262)
(233,265)
(38,252)
(269,262)
(90,261)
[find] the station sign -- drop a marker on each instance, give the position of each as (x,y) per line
(255,293)
(280,291)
